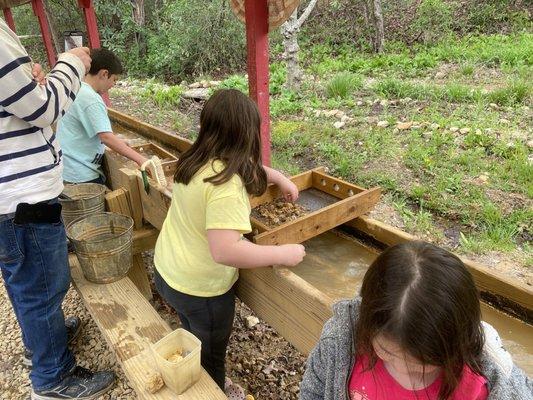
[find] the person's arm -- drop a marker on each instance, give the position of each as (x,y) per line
(121,147)
(286,186)
(314,381)
(227,247)
(40,105)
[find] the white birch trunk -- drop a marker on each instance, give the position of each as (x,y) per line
(290,30)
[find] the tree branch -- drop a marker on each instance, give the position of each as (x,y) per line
(306,13)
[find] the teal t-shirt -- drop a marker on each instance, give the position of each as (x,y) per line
(77,132)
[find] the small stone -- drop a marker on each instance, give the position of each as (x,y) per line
(317,113)
(360,103)
(530,144)
(383,124)
(464,131)
(196,94)
(251,321)
(331,113)
(494,106)
(339,124)
(195,85)
(339,114)
(403,126)
(440,75)
(454,129)
(434,126)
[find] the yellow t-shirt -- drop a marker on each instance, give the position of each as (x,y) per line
(182,255)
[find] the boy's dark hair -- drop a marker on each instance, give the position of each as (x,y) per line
(229,132)
(105,59)
(423,298)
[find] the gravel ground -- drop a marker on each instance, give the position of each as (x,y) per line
(260,360)
(90,350)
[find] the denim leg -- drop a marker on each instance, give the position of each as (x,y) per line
(34,263)
(210,319)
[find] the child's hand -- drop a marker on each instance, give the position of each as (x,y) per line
(293,254)
(288,189)
(38,74)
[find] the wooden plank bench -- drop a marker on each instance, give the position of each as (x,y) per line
(129,325)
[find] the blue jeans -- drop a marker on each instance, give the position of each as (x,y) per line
(34,264)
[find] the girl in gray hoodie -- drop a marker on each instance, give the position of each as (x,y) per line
(414,334)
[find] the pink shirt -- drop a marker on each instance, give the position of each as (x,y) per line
(378,384)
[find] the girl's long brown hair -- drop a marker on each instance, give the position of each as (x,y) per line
(229,132)
(422,297)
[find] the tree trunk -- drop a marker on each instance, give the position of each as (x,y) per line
(139,17)
(379,37)
(374,19)
(289,31)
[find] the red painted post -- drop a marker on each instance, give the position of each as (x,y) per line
(8,15)
(38,10)
(90,22)
(92,32)
(256,12)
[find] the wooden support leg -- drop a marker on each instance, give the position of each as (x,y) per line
(38,9)
(92,32)
(8,15)
(117,201)
(257,42)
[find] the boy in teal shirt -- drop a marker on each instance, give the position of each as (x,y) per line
(85,130)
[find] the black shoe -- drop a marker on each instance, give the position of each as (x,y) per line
(80,384)
(73,325)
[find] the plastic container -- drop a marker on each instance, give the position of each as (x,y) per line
(102,243)
(179,376)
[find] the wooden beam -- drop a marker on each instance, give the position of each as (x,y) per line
(150,131)
(38,10)
(130,325)
(8,15)
(333,186)
(117,202)
(144,239)
(256,13)
(303,181)
(321,220)
(90,22)
(292,306)
(485,278)
(155,203)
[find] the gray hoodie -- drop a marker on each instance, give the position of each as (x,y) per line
(330,362)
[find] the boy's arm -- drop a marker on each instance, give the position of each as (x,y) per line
(287,187)
(121,147)
(39,105)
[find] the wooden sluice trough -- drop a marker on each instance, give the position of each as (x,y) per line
(340,243)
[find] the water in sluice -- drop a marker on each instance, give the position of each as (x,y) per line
(336,264)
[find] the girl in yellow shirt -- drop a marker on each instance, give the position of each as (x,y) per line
(200,248)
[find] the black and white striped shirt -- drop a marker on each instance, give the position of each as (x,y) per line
(30,156)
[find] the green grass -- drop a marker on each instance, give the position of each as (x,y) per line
(162,95)
(343,85)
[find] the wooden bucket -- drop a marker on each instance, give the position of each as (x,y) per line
(279,11)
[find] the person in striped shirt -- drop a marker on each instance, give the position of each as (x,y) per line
(33,246)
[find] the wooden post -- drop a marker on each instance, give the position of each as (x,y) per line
(8,15)
(90,22)
(38,9)
(117,201)
(256,12)
(92,32)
